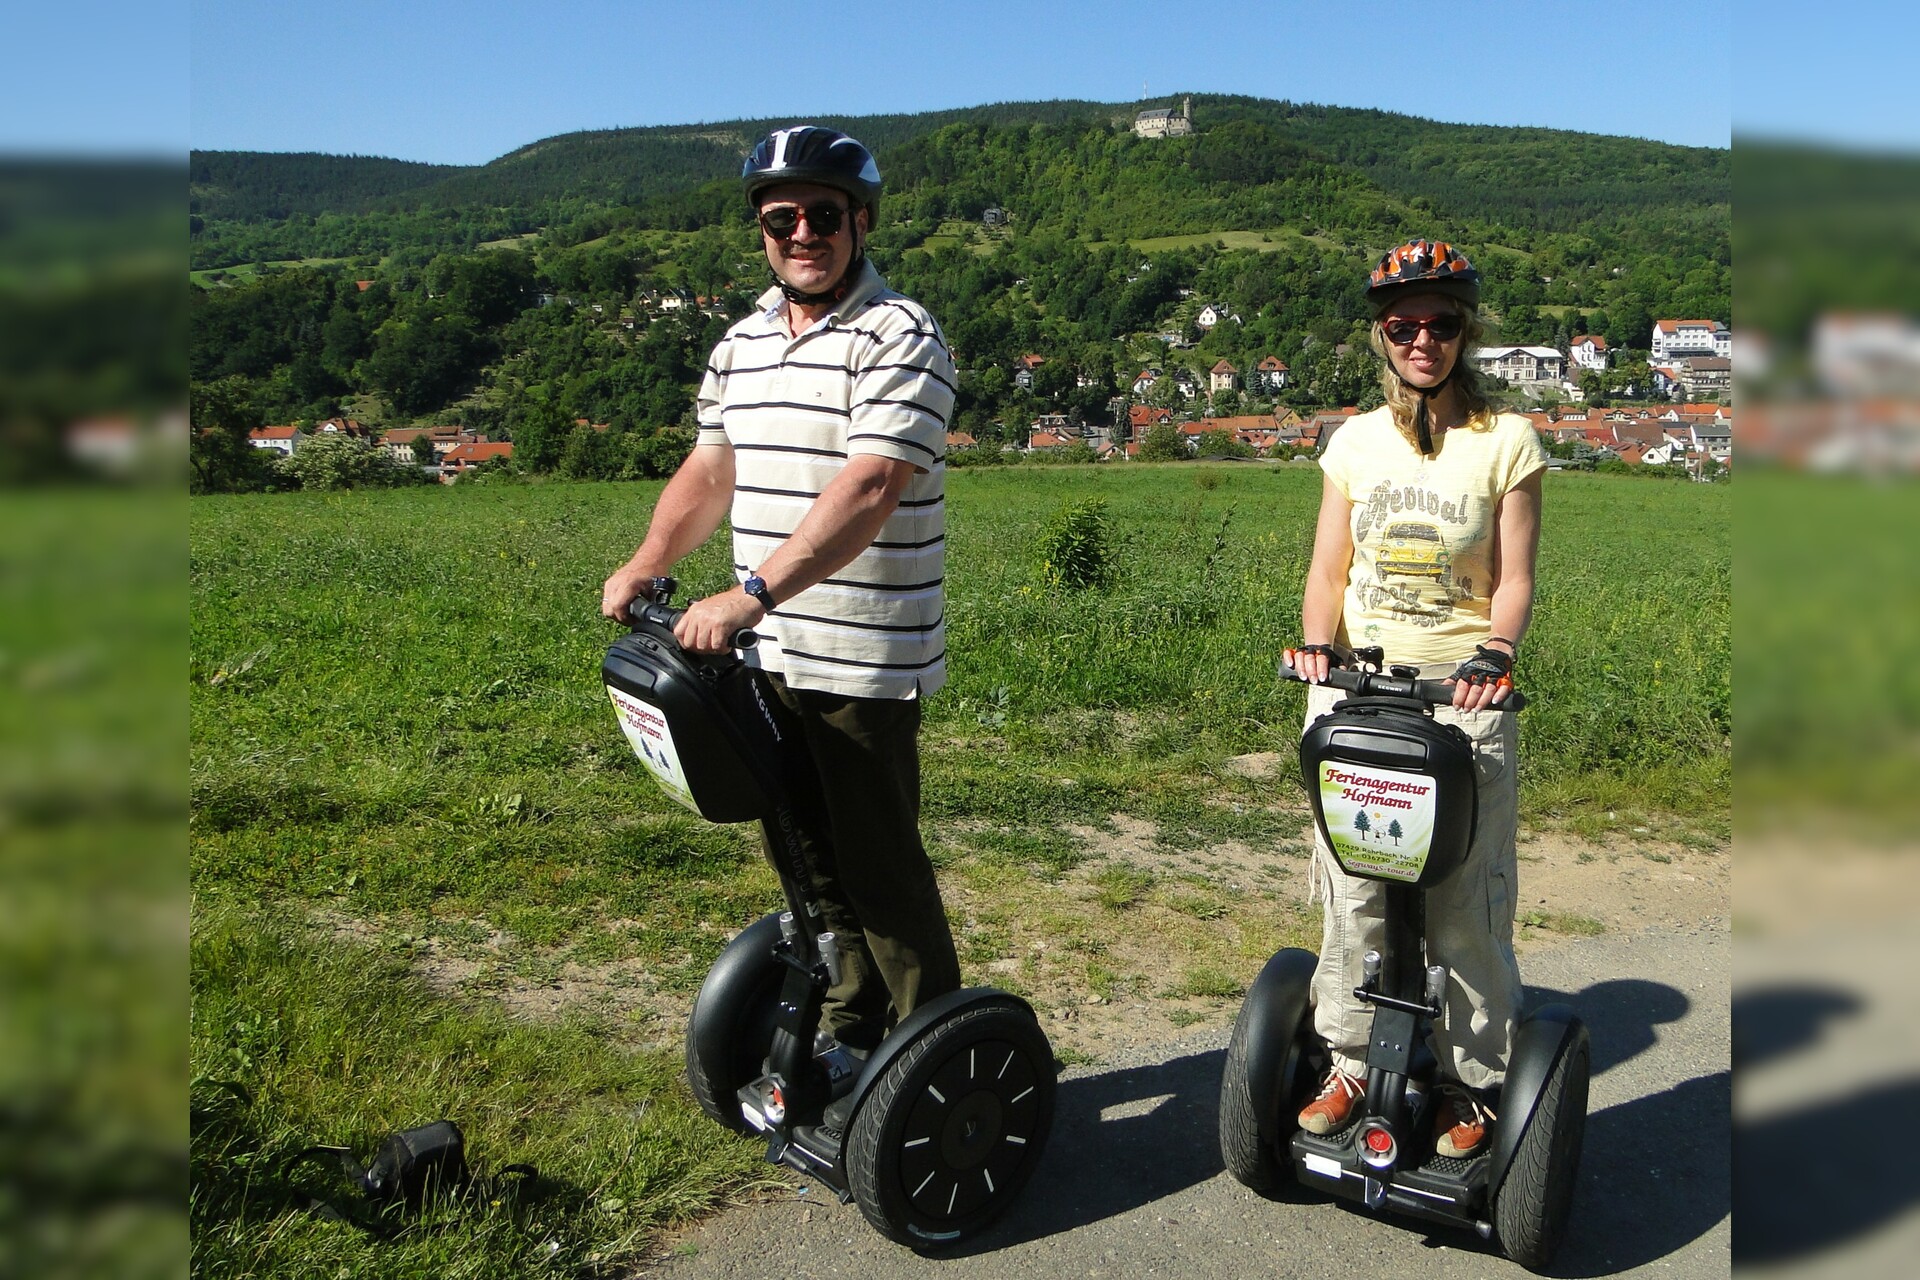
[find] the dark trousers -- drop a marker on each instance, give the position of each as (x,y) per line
(867,868)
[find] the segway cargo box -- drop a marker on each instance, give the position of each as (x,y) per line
(1392,789)
(707,727)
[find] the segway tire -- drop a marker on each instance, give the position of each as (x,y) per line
(952,1130)
(1531,1208)
(732,1024)
(1253,1163)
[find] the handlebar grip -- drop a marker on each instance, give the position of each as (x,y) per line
(667,617)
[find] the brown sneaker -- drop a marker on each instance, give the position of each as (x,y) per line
(1460,1122)
(1332,1108)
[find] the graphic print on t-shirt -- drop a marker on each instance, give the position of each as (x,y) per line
(1414,537)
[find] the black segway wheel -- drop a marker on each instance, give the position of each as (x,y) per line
(731,1027)
(1531,1208)
(1269,1066)
(952,1130)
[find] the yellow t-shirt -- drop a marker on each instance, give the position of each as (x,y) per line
(1422,572)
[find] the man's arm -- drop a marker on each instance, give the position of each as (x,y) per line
(690,510)
(842,523)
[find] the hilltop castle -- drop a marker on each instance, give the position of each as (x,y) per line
(1164,122)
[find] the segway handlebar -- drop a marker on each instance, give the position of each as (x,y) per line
(1386,684)
(665,615)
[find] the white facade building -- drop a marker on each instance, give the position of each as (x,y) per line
(1675,338)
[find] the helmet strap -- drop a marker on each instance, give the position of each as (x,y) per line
(1422,416)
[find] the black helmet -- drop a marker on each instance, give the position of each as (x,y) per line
(809,153)
(1423,266)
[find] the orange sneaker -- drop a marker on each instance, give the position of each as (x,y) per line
(1332,1108)
(1460,1122)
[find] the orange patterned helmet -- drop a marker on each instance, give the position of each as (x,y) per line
(1423,266)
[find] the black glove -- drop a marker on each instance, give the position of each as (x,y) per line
(1486,666)
(1332,652)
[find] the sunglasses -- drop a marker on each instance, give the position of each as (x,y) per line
(782,221)
(1402,332)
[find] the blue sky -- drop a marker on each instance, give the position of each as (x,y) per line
(466,82)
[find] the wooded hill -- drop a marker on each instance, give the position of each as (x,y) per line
(1528,179)
(1272,211)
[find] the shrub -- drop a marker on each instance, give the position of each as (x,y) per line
(1076,545)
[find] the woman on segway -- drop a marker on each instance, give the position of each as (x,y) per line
(1428,526)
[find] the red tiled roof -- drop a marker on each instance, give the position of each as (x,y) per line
(1272,364)
(1047,440)
(960,440)
(1225,366)
(273,433)
(1143,415)
(1030,361)
(465,455)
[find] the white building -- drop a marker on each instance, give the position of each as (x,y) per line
(1521,365)
(1589,351)
(1675,338)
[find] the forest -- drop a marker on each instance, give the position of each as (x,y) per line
(585,276)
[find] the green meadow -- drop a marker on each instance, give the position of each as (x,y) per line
(411,807)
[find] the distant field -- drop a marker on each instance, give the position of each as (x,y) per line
(1259,241)
(401,754)
(246,272)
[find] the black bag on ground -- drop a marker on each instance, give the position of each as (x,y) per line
(411,1167)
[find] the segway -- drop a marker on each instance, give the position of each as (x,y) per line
(934,1132)
(1380,753)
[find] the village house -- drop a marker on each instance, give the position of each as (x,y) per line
(1589,351)
(1144,380)
(1521,366)
(1675,338)
(1706,376)
(1223,377)
(1023,367)
(1210,315)
(960,440)
(281,440)
(1270,376)
(462,457)
(1143,418)
(399,442)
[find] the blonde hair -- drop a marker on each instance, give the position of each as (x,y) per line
(1404,401)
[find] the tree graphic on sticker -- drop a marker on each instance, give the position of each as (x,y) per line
(1393,829)
(1362,824)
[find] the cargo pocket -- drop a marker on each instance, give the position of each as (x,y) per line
(1492,734)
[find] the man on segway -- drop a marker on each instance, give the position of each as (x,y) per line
(822,433)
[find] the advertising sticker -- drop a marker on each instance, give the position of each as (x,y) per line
(1379,821)
(652,741)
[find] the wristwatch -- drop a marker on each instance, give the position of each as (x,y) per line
(756,586)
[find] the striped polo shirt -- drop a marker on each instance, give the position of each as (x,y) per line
(872,377)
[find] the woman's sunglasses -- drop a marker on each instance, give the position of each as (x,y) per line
(782,221)
(1401,333)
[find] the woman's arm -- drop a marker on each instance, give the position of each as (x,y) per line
(1516,546)
(1326,587)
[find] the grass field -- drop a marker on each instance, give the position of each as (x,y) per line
(400,748)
